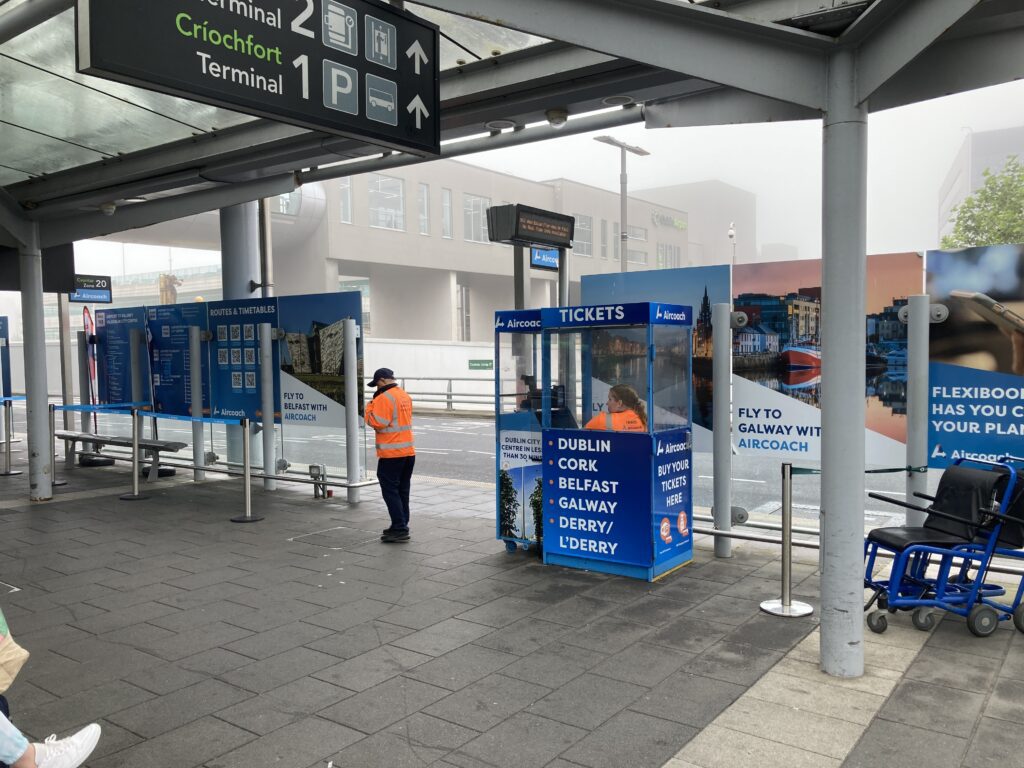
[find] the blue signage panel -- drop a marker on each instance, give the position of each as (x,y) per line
(973,414)
(544,258)
(113,353)
(597,495)
(672,498)
(235,356)
(616,314)
(171,364)
(5,357)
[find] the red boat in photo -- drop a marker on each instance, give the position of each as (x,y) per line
(801,356)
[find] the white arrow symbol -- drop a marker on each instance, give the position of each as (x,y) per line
(417,54)
(417,106)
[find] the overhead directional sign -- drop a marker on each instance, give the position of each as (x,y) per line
(356,68)
(92,289)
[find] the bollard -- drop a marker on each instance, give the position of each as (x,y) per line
(136,428)
(785,606)
(8,427)
(246,479)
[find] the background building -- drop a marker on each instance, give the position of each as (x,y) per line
(985,150)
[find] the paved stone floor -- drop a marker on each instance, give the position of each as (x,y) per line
(301,641)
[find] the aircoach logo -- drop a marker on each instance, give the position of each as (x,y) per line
(664,448)
(668,315)
(499,323)
(514,324)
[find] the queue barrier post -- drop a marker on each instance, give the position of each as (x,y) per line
(8,428)
(246,478)
(136,429)
(785,605)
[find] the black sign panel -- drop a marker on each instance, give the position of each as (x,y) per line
(353,67)
(92,289)
(523,224)
(538,226)
(58,269)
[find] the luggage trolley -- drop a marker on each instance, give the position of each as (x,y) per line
(975,515)
(517,426)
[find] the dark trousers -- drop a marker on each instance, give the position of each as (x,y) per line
(395,476)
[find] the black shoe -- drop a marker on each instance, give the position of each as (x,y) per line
(393,538)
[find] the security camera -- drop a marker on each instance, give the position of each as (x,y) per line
(938,313)
(738,319)
(107,209)
(904,314)
(557,117)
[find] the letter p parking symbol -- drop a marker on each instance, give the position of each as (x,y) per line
(340,91)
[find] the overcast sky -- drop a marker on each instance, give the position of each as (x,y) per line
(910,151)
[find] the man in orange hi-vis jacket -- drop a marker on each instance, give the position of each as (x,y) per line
(390,415)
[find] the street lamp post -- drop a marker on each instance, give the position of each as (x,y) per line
(732,239)
(623,183)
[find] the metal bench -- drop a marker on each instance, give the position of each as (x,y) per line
(148,445)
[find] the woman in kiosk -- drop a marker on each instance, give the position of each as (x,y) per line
(626,412)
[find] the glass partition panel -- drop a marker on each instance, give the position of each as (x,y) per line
(671,377)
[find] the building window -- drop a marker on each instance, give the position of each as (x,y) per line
(604,238)
(424,209)
(446,213)
(636,257)
(637,233)
(387,202)
(669,256)
(463,312)
(288,203)
(474,218)
(583,239)
(346,284)
(345,188)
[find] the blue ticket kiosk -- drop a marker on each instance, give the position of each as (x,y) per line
(517,427)
(615,478)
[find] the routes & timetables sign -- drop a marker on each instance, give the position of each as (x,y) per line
(352,67)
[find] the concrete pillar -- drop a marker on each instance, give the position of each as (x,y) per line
(240,267)
(40,448)
(844,226)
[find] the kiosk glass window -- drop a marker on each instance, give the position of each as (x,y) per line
(387,202)
(617,356)
(568,350)
(671,377)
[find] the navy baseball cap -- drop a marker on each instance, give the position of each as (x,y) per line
(380,373)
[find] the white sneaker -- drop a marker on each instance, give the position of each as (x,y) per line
(69,752)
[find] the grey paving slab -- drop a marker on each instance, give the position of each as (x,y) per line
(995,744)
(523,740)
(587,701)
(606,634)
(690,634)
(886,743)
(275,671)
(371,668)
(1006,701)
(688,699)
(359,639)
(554,664)
(310,740)
(462,666)
(384,704)
(955,669)
(633,739)
(928,706)
(442,637)
(151,718)
(523,637)
(734,662)
(487,702)
(195,744)
(643,664)
(766,631)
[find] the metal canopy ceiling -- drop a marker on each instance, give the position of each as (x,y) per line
(70,143)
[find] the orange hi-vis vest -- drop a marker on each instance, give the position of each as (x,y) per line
(624,421)
(390,415)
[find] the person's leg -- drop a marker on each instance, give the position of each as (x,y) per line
(404,485)
(14,747)
(389,475)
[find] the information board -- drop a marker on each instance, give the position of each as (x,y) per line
(113,353)
(597,495)
(235,356)
(357,68)
(312,358)
(171,363)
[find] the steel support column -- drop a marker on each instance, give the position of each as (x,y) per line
(844,226)
(240,267)
(40,447)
